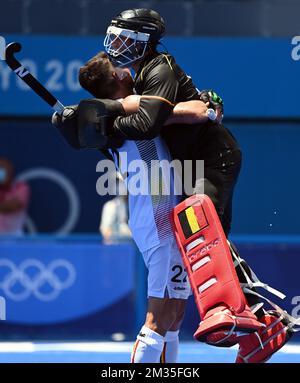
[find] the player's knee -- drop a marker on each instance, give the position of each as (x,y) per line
(168,318)
(161,317)
(178,321)
(160,325)
(180,315)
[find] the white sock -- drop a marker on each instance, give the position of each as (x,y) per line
(148,347)
(170,350)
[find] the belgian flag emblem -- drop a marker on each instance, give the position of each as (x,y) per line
(192,220)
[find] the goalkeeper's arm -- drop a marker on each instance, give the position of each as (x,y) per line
(189,112)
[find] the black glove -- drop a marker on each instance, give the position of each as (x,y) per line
(214,100)
(89,124)
(66,124)
(95,122)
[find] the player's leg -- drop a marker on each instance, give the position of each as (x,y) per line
(276,327)
(158,338)
(178,287)
(167,290)
(219,185)
(161,314)
(243,271)
(220,300)
(159,317)
(171,346)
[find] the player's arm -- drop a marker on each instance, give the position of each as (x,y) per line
(156,105)
(131,104)
(189,112)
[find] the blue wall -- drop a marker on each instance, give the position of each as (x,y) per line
(267,193)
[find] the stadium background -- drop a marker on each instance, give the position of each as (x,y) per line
(241,49)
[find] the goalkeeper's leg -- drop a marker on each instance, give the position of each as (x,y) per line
(223,308)
(211,242)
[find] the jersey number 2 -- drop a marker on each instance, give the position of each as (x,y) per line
(178,274)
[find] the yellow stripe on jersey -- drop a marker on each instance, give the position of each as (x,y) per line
(168,61)
(159,98)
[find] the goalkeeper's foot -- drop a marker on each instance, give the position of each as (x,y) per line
(260,346)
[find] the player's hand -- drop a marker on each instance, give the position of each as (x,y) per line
(66,124)
(213,101)
(67,115)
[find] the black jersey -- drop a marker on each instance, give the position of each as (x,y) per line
(208,142)
(162,77)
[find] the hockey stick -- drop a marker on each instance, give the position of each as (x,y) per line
(27,77)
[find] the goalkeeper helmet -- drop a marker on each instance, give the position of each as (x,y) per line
(130,33)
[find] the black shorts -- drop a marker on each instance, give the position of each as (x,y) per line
(219,182)
(218,148)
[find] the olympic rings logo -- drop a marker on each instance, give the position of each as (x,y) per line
(32,277)
(67,187)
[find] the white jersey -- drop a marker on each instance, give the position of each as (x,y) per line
(149,215)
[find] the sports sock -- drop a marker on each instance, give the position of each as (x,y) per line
(148,346)
(171,345)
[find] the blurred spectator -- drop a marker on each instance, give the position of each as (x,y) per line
(14,199)
(114,219)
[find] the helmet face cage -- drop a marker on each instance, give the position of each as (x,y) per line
(125,46)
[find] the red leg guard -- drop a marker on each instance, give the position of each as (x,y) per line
(220,300)
(259,347)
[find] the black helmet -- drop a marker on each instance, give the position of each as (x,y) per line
(142,20)
(130,33)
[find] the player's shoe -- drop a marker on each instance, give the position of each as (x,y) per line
(260,346)
(221,327)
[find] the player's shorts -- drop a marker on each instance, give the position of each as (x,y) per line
(166,273)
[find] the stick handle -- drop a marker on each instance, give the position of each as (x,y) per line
(28,78)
